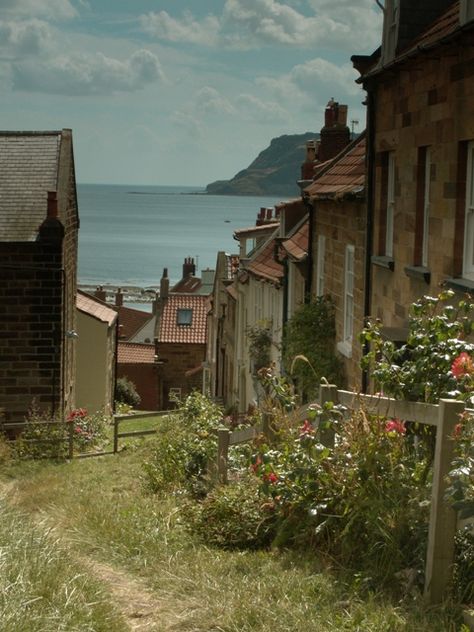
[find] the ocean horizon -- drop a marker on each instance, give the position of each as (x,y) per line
(129,233)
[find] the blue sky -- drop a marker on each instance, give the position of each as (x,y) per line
(178,91)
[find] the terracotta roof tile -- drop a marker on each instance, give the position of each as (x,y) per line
(346,175)
(135,353)
(187,285)
(297,244)
(232,265)
(92,306)
(131,320)
(263,265)
(195,333)
(29,163)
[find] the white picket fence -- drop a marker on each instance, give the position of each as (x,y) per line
(443,519)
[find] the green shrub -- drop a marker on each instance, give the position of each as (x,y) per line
(310,336)
(186,444)
(126,392)
(43,437)
(233,516)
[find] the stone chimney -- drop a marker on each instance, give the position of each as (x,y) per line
(189,268)
(308,165)
(100,293)
(164,285)
(335,134)
(52,212)
(51,230)
(155,304)
(119,297)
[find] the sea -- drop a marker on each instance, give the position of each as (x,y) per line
(129,233)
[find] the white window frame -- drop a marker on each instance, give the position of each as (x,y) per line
(468,263)
(320,265)
(426,209)
(390,208)
(345,347)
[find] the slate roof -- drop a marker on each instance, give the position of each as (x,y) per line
(263,265)
(92,306)
(29,163)
(131,320)
(345,176)
(168,329)
(297,244)
(135,353)
(188,285)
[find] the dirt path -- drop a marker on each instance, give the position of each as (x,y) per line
(139,607)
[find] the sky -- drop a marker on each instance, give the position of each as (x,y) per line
(179,92)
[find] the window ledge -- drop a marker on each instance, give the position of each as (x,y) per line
(461,284)
(345,348)
(383,262)
(418,272)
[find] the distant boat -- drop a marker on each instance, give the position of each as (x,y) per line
(227,221)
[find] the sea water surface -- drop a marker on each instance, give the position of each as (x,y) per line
(129,233)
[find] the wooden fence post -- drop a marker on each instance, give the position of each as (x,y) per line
(440,553)
(222,454)
(70,439)
(116,429)
(327,393)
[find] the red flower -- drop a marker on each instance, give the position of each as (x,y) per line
(457,430)
(306,428)
(78,430)
(395,425)
(462,365)
(270,478)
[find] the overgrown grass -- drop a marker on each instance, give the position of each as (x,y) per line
(41,587)
(101,507)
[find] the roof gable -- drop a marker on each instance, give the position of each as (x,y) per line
(169,331)
(90,305)
(29,167)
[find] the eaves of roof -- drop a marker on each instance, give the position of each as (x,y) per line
(264,265)
(443,30)
(90,305)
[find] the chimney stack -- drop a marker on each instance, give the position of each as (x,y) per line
(52,212)
(189,268)
(164,285)
(100,293)
(335,135)
(119,297)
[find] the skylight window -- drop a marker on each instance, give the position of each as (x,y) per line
(184,317)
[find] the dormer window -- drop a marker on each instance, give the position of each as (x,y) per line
(184,317)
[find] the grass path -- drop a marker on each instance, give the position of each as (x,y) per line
(160,578)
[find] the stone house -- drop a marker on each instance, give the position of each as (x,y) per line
(38,259)
(420,145)
(338,213)
(95,353)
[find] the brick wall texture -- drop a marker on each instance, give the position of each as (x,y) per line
(178,359)
(428,101)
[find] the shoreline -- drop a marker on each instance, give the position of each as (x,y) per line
(131,293)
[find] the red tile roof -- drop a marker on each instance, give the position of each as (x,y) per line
(135,353)
(131,321)
(263,265)
(187,285)
(297,244)
(196,332)
(232,265)
(347,174)
(92,306)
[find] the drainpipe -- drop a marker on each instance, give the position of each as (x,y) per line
(370,192)
(311,223)
(284,263)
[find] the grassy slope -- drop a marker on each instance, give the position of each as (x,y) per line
(99,507)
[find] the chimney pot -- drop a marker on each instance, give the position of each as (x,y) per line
(52,209)
(119,297)
(164,285)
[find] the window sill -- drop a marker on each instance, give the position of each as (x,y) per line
(383,262)
(460,284)
(345,348)
(419,272)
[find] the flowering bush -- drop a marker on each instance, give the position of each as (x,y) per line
(436,360)
(364,501)
(88,430)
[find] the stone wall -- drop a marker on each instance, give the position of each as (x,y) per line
(178,359)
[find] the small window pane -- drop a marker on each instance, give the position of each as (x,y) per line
(185,316)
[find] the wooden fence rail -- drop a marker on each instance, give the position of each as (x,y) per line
(134,433)
(444,417)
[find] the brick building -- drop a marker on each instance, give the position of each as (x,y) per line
(420,123)
(180,341)
(38,257)
(137,362)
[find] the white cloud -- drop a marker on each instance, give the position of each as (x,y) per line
(24,38)
(49,9)
(255,23)
(319,74)
(87,74)
(255,109)
(162,26)
(208,101)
